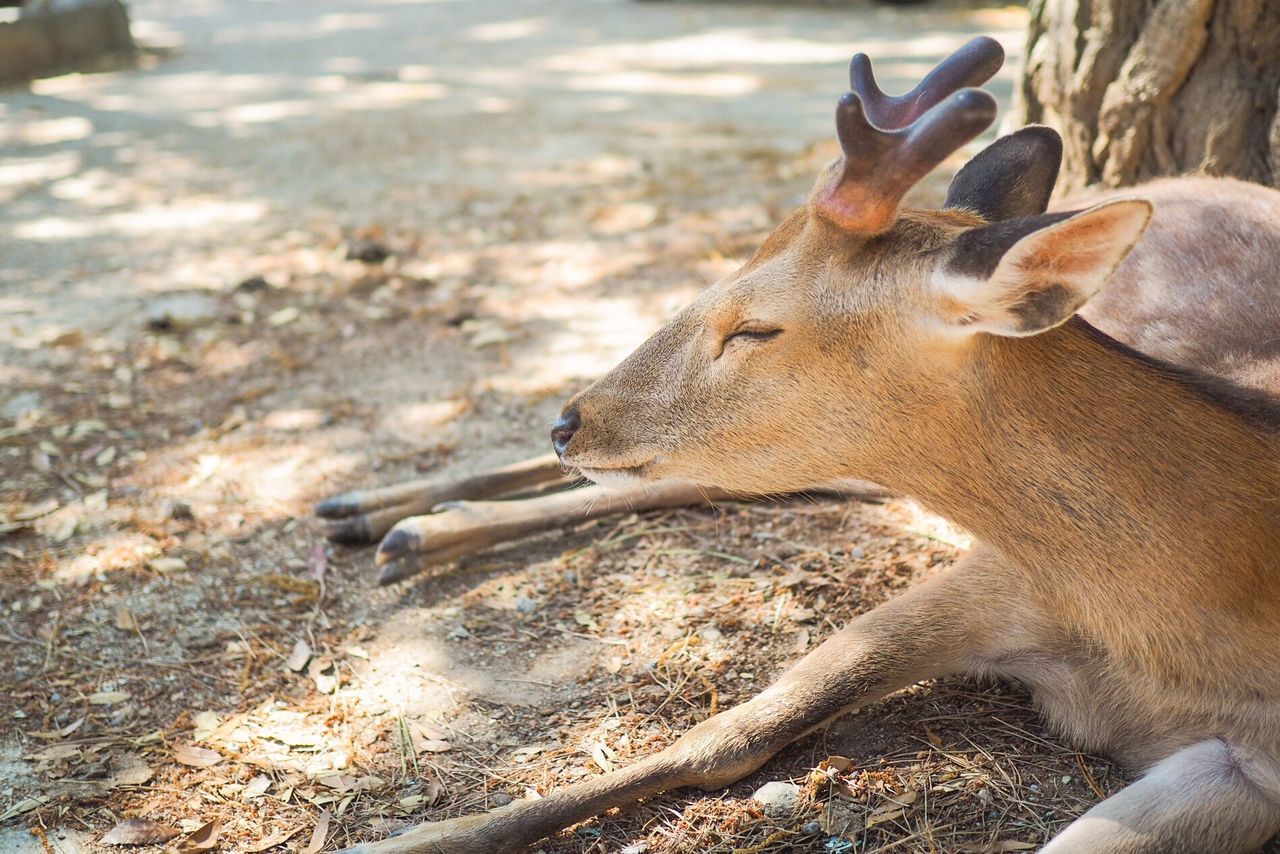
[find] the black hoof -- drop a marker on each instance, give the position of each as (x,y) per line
(395,544)
(337,506)
(397,570)
(349,532)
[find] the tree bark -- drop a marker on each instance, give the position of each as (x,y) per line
(1144,88)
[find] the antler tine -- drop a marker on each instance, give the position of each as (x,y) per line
(861,192)
(972,65)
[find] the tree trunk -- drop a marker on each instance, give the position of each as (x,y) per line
(1143,88)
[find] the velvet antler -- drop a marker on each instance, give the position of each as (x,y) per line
(972,65)
(890,143)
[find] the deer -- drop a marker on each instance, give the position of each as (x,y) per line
(1091,391)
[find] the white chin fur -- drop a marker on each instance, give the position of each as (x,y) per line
(612,478)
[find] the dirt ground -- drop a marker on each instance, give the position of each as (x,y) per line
(190,360)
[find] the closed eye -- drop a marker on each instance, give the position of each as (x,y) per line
(752,334)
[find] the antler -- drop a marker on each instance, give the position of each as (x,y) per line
(889,144)
(972,65)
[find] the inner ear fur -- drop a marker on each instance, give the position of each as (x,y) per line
(1025,276)
(1012,177)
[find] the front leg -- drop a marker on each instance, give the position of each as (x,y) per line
(938,628)
(364,515)
(461,528)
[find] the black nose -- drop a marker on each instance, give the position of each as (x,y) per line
(564,428)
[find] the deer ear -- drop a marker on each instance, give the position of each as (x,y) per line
(1011,177)
(1025,276)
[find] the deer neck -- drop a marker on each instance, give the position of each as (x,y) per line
(1096,469)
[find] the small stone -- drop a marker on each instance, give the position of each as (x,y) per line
(460,633)
(778,799)
(165,565)
(21,404)
(500,799)
(635,848)
(366,250)
(811,828)
(525,605)
(284,316)
(181,311)
(253,285)
(179,511)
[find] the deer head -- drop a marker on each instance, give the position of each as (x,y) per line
(857,321)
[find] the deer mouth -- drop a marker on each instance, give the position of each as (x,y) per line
(616,476)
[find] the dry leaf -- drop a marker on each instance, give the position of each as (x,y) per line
(278,838)
(53,735)
(323,674)
(139,831)
(603,756)
(882,815)
(836,763)
(933,737)
(413,803)
(906,799)
(35,511)
(802,640)
(202,838)
(108,698)
(125,621)
(894,809)
(130,770)
(299,657)
(434,745)
(318,835)
(64,529)
(23,806)
(527,751)
(426,730)
(196,757)
(284,316)
(256,788)
(206,725)
(56,753)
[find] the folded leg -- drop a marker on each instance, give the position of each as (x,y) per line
(1209,797)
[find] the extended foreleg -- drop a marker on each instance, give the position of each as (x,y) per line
(364,515)
(465,527)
